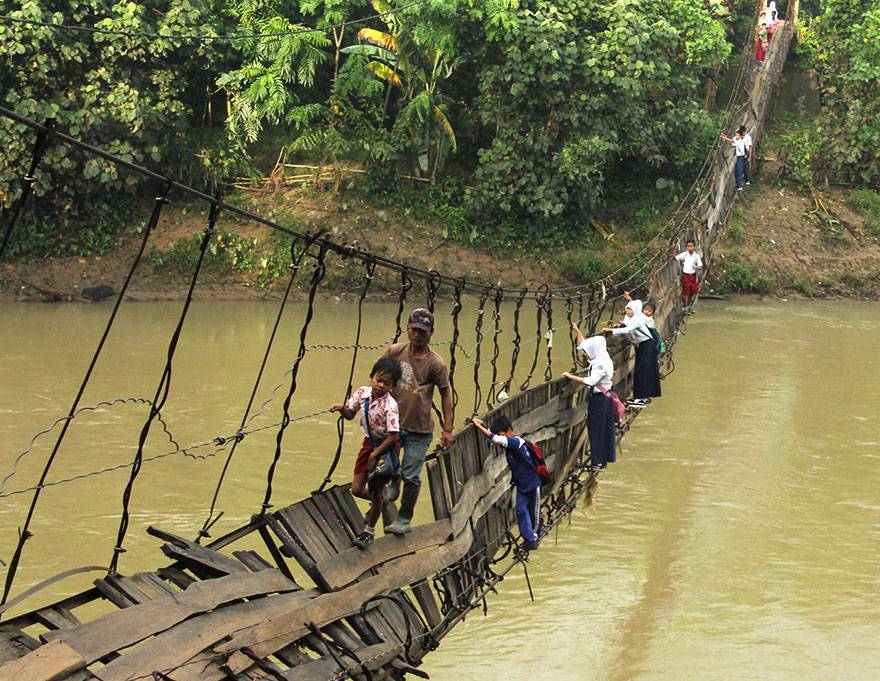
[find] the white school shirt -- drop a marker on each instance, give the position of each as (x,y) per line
(747,142)
(740,146)
(690,262)
(601,372)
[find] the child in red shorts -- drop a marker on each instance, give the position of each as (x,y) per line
(380,423)
(691,266)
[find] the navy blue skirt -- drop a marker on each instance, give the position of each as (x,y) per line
(600,426)
(646,375)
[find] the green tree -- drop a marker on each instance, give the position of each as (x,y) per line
(843,41)
(278,66)
(135,97)
(587,86)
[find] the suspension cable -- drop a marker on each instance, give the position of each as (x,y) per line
(296,259)
(24,533)
(162,390)
(317,277)
(370,270)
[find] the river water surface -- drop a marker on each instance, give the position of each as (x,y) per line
(737,538)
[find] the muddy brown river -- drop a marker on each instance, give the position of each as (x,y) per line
(738,537)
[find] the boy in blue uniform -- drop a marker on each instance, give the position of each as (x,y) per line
(525,479)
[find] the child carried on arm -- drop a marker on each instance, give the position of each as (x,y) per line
(524,474)
(378,459)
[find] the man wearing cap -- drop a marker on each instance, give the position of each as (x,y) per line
(422,371)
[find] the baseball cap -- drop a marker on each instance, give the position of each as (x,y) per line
(420,318)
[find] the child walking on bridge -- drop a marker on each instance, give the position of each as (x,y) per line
(523,470)
(378,459)
(691,266)
(636,327)
(600,417)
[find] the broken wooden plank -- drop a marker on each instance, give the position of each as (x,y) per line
(15,643)
(56,618)
(343,568)
(300,525)
(428,604)
(252,560)
(288,625)
(175,647)
(123,628)
(52,661)
(194,556)
(539,417)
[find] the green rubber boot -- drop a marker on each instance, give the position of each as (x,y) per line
(405,513)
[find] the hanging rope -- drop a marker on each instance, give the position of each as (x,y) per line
(370,270)
(44,139)
(453,344)
(433,283)
(162,390)
(569,316)
(496,348)
(24,533)
(478,390)
(406,284)
(296,259)
(547,304)
(539,305)
(517,342)
(317,277)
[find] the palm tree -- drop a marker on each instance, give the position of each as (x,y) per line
(416,70)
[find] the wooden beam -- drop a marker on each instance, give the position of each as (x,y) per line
(123,628)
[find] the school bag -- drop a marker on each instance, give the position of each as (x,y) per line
(387,466)
(658,340)
(616,404)
(538,464)
(655,337)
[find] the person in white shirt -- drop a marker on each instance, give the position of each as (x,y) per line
(646,374)
(747,142)
(739,146)
(600,418)
(691,265)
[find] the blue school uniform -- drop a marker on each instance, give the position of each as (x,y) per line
(528,486)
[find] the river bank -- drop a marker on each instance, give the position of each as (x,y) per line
(780,242)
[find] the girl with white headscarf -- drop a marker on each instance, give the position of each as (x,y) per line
(646,374)
(600,417)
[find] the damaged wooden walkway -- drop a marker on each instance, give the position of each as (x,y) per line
(308,606)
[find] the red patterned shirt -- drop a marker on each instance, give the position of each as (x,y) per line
(383,413)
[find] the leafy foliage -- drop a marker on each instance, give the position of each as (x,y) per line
(587,86)
(867,202)
(134,97)
(843,40)
(743,276)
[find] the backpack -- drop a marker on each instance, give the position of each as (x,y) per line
(540,465)
(658,340)
(654,336)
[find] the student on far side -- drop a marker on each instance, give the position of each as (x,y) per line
(739,167)
(600,417)
(747,142)
(525,478)
(691,266)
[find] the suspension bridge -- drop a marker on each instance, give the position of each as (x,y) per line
(308,605)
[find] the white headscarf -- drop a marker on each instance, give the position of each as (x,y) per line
(596,348)
(601,366)
(638,318)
